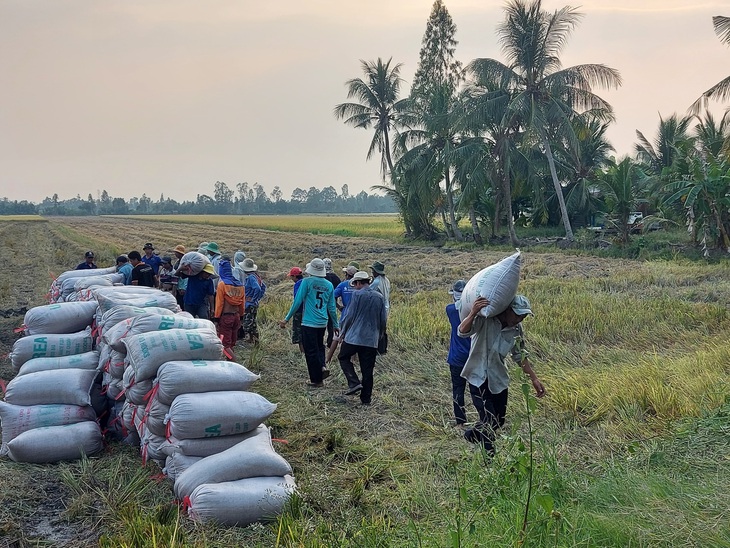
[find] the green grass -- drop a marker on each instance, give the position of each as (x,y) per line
(384,226)
(22,218)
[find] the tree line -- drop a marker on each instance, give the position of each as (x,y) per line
(522,141)
(244,199)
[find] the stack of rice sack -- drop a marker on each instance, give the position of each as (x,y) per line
(47,414)
(218,451)
(117,306)
(64,289)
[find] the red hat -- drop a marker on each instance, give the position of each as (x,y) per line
(295,271)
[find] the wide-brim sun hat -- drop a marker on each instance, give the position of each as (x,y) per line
(378,267)
(209,269)
(180,249)
(213,248)
(458,287)
(249,266)
(316,268)
(350,270)
(359,276)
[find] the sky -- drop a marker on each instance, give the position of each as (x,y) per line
(168,97)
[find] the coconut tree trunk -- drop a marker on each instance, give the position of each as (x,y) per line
(452,214)
(507,192)
(558,189)
(496,224)
(475,226)
(447,226)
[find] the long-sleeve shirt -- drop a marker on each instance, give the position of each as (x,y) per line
(381,284)
(366,318)
(344,291)
(317,296)
(254,290)
(490,344)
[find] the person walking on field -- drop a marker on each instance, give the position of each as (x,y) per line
(296,324)
(485,369)
(458,353)
(316,294)
(230,300)
(362,329)
(255,290)
(344,290)
(88,263)
(381,284)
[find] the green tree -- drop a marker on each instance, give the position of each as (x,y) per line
(621,187)
(545,96)
(437,65)
(661,154)
(379,107)
(223,197)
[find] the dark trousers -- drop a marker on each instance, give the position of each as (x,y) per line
(312,339)
(492,409)
(458,385)
(330,332)
(366,356)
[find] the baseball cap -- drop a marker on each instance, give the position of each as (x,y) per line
(350,270)
(295,271)
(89,254)
(148,246)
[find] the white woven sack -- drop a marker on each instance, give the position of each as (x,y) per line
(113,388)
(16,419)
(192,263)
(85,273)
(117,314)
(186,377)
(177,463)
(150,445)
(105,354)
(56,443)
(148,351)
(205,447)
(129,414)
(252,458)
(59,318)
(55,291)
(87,360)
(153,322)
(498,283)
(61,386)
(50,345)
(116,364)
(154,297)
(241,502)
(212,414)
(155,417)
(136,392)
(106,280)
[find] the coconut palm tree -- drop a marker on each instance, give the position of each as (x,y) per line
(621,188)
(721,90)
(379,106)
(671,137)
(546,95)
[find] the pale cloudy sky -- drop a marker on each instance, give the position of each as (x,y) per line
(156,96)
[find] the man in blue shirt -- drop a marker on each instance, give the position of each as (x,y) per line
(458,353)
(149,258)
(88,261)
(199,292)
(344,290)
(317,295)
